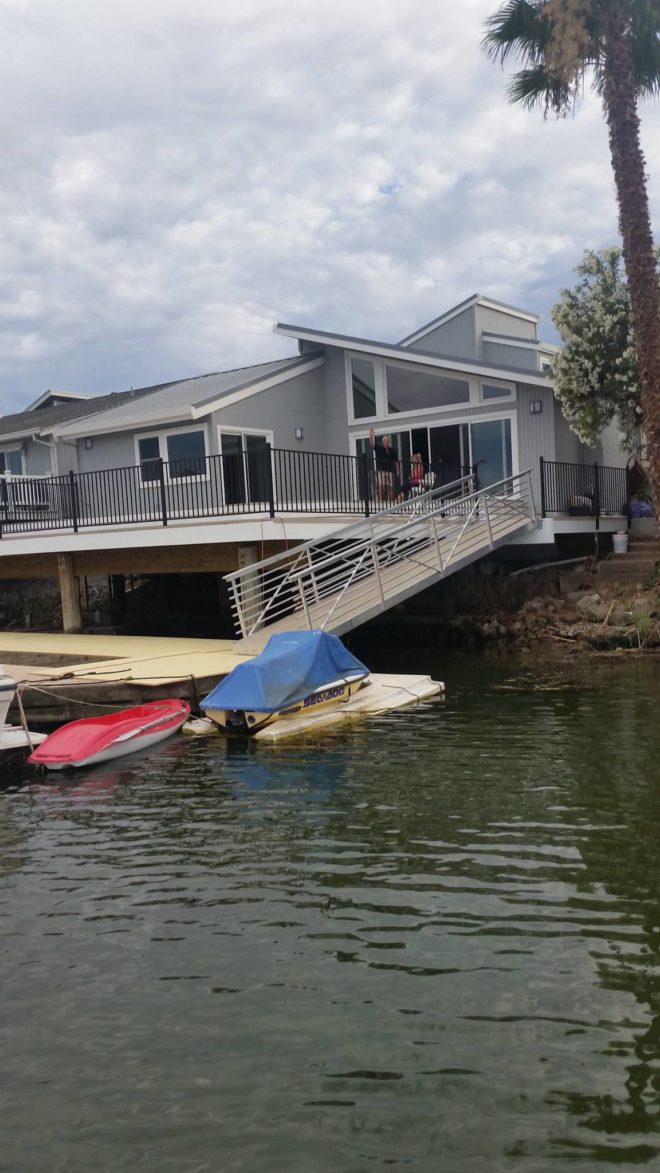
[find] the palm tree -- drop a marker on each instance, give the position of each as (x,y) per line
(615,43)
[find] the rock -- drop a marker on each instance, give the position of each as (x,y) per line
(592,608)
(620,618)
(646,603)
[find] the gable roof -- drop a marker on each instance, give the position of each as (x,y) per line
(44,420)
(414,354)
(57,397)
(188,399)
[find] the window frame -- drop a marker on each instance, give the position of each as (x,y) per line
(5,452)
(161,435)
(480,418)
(509,388)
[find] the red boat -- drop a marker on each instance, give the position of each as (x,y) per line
(100,739)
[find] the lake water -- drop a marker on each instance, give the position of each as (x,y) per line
(427,942)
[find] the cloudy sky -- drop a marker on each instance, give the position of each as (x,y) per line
(177,175)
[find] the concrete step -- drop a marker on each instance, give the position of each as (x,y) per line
(626,559)
(628,571)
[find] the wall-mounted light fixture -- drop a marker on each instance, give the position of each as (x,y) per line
(300,435)
(535,406)
(89,443)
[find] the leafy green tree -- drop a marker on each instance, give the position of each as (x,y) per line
(614,43)
(596,375)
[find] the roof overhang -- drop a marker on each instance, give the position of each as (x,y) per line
(419,357)
(96,425)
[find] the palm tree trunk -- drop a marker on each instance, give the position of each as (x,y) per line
(635,224)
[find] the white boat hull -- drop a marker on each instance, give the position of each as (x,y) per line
(119,750)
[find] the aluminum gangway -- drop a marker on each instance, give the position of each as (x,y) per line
(364,568)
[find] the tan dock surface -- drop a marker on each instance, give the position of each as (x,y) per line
(141,659)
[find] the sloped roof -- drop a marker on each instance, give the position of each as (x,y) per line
(177,400)
(24,423)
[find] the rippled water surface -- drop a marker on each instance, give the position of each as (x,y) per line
(430,942)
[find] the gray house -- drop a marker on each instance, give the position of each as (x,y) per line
(468,391)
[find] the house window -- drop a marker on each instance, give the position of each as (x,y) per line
(183,454)
(186,455)
(363,377)
(415,390)
(11,461)
(495,391)
(492,451)
(149,453)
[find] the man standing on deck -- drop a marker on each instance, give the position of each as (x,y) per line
(387,465)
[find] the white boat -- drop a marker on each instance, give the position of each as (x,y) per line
(14,741)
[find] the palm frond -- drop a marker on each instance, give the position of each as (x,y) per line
(539,87)
(517,28)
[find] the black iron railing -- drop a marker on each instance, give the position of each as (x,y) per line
(264,480)
(583,490)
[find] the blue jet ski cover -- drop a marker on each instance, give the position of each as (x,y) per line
(292,665)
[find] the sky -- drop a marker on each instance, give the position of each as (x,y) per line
(175,177)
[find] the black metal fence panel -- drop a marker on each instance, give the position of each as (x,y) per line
(583,490)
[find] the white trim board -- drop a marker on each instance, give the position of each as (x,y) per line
(382,350)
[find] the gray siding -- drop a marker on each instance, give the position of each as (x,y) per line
(501,322)
(336,403)
(457,337)
(116,450)
(510,356)
(299,402)
(536,434)
(38,460)
(568,446)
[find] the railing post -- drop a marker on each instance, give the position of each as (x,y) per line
(542,467)
(363,477)
(597,494)
(161,489)
(73,490)
(270,487)
(487,512)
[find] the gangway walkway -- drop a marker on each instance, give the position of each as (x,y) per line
(338,583)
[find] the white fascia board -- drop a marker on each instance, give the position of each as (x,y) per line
(490,304)
(549,348)
(497,340)
(382,350)
(74,396)
(227,400)
(95,425)
(252,528)
(446,317)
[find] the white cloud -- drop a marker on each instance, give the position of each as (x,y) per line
(173,178)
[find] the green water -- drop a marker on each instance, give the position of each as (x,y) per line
(429,942)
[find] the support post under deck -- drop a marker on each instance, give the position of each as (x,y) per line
(69,595)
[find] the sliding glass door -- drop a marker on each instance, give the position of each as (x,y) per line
(491,451)
(246,468)
(452,450)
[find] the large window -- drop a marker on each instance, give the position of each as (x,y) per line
(183,453)
(11,461)
(450,451)
(363,378)
(415,390)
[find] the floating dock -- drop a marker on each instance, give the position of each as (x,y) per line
(71,676)
(383,693)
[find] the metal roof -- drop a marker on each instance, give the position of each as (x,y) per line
(43,420)
(175,400)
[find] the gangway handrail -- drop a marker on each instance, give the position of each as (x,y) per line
(303,578)
(402,508)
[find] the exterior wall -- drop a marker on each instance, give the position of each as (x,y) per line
(38,460)
(500,322)
(536,434)
(300,402)
(568,446)
(457,337)
(336,402)
(510,356)
(115,450)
